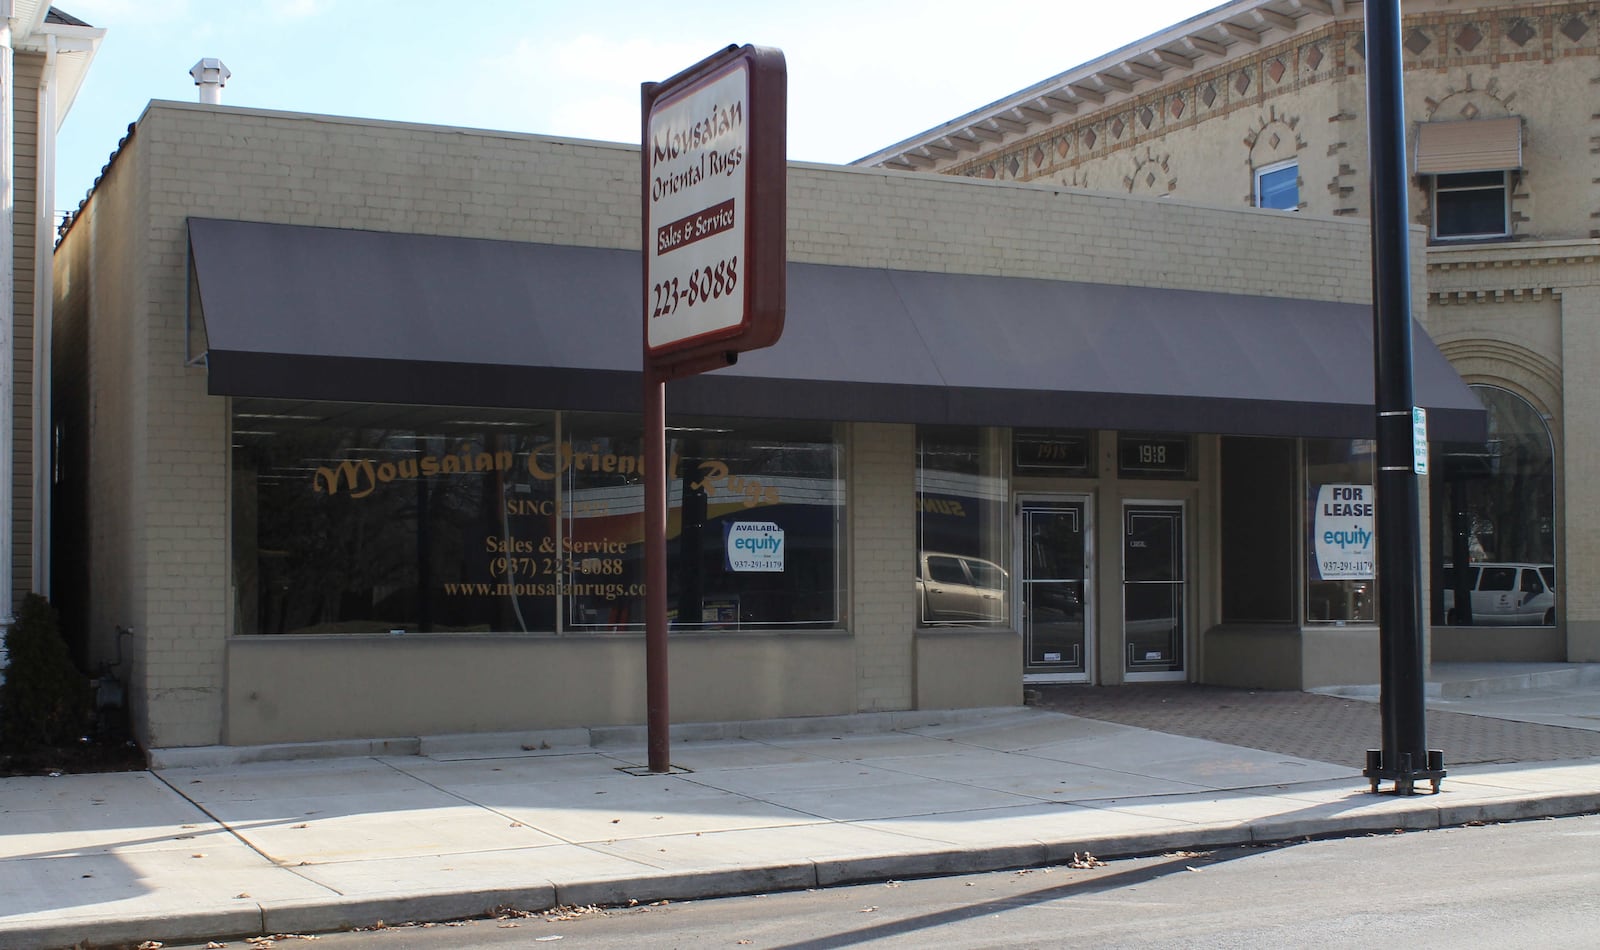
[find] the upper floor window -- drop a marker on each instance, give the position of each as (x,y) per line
(1278,186)
(1471,205)
(1469,165)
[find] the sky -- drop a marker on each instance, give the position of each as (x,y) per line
(863,74)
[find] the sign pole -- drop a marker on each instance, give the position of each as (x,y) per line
(713,242)
(658,719)
(1405,757)
(654,435)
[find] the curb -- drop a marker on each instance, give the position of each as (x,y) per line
(425,907)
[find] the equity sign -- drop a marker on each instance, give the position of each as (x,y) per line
(1342,533)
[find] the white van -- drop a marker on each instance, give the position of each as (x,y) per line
(1505,594)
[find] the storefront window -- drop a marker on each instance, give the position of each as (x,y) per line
(963,526)
(1494,511)
(755,514)
(1341,553)
(427,520)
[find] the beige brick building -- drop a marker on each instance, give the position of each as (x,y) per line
(339,398)
(1262,103)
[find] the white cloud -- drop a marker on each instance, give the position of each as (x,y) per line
(585,86)
(862,75)
(623,61)
(129,12)
(296,9)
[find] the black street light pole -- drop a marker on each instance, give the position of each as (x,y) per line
(1405,757)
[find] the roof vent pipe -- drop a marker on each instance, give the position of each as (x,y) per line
(210,75)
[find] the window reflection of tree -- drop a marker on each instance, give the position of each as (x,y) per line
(336,561)
(1512,509)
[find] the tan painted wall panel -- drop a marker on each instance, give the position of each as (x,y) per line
(300,688)
(957,669)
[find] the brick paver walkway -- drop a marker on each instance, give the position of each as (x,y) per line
(1309,725)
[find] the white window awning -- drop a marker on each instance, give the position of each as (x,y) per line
(1473,145)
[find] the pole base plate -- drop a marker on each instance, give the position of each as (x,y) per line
(1404,775)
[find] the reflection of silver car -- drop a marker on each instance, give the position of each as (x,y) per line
(1505,594)
(955,588)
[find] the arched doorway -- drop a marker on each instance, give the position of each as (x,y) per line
(1494,512)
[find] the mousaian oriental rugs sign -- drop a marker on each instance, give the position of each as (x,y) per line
(714,206)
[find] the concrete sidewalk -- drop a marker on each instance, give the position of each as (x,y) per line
(468,825)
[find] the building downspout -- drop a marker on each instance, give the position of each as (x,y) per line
(8,298)
(43,321)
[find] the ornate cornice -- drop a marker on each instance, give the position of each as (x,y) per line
(1156,85)
(1116,80)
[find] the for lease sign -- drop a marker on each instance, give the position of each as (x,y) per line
(1342,532)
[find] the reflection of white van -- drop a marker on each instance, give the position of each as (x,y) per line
(955,588)
(1505,594)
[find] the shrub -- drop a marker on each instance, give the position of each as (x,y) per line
(45,700)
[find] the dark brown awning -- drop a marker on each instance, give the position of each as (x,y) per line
(306,313)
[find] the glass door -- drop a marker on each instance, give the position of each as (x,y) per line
(1053,590)
(1153,582)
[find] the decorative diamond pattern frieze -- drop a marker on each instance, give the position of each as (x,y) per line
(1436,40)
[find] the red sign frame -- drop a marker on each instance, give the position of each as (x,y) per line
(758,264)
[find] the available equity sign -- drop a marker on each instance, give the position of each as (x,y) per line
(1342,533)
(714,206)
(755,546)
